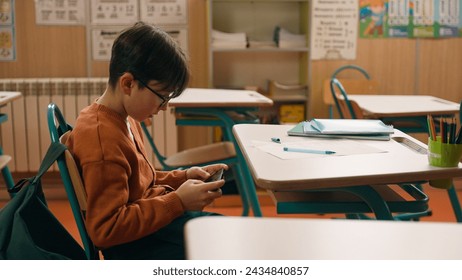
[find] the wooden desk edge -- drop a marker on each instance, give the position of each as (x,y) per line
(6,98)
(218,105)
(414,114)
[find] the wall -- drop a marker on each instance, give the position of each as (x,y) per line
(45,51)
(402,66)
(61,51)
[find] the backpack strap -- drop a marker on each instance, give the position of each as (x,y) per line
(54,152)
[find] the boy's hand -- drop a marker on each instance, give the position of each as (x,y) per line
(195,194)
(202,173)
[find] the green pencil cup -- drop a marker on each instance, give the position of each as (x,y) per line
(443,155)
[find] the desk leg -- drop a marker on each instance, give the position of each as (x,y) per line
(455,203)
(246,186)
(7,175)
(249,194)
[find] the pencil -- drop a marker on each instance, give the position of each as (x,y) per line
(459,136)
(452,132)
(443,130)
(302,150)
(429,125)
(431,128)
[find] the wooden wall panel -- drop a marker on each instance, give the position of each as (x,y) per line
(45,51)
(440,68)
(402,66)
(389,61)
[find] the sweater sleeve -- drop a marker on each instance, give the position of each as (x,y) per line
(172,178)
(112,218)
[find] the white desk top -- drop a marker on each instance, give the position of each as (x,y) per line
(404,105)
(397,164)
(205,97)
(250,238)
(8,96)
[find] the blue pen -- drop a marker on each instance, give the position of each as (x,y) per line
(302,150)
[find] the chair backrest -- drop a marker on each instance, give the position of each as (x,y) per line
(59,131)
(347,109)
(341,87)
(160,157)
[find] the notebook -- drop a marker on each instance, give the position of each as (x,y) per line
(307,130)
(349,126)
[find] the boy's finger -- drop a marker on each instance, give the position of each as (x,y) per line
(211,186)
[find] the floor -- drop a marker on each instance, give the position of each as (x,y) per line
(230,205)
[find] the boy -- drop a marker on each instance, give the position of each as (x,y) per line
(134,211)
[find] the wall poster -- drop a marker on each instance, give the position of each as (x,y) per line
(7,31)
(115,12)
(410,18)
(60,12)
(165,12)
(334,29)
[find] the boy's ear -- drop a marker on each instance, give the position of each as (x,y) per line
(127,82)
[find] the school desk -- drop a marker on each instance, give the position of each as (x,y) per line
(5,98)
(400,160)
(250,238)
(223,108)
(413,108)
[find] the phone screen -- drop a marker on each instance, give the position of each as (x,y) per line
(215,176)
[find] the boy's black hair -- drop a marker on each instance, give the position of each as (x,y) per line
(149,53)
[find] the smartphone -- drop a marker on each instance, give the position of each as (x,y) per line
(215,176)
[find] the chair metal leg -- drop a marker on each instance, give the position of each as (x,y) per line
(412,216)
(353,216)
(373,200)
(331,112)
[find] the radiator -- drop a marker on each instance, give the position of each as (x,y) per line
(25,135)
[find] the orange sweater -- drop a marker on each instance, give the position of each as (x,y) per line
(127,198)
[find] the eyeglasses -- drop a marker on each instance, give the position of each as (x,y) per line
(165,100)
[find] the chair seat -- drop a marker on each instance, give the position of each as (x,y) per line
(4,159)
(203,154)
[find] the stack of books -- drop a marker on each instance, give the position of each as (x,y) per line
(286,39)
(343,128)
(223,40)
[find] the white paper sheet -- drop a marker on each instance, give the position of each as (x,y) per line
(341,147)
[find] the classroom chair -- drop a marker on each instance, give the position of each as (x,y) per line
(363,85)
(59,131)
(220,152)
(349,109)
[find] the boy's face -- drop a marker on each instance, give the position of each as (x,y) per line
(144,103)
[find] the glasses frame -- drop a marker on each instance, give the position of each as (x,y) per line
(164,99)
